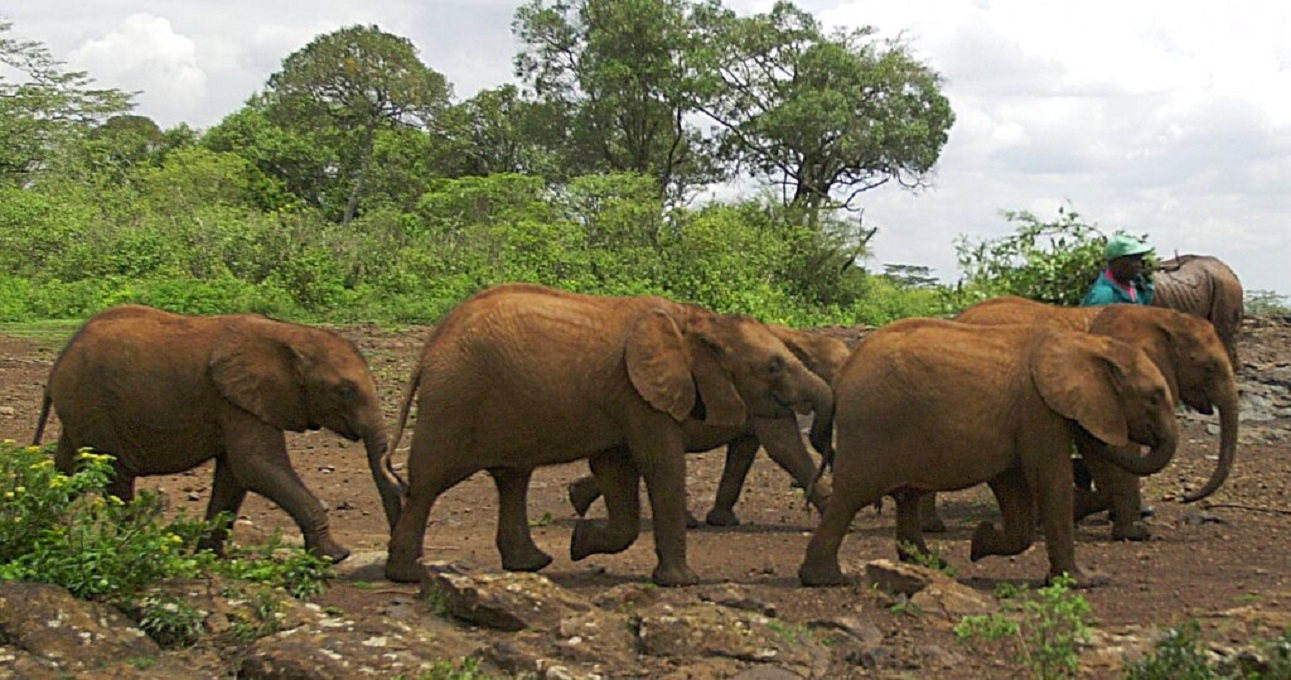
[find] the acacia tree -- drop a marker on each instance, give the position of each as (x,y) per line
(348,85)
(824,116)
(615,73)
(46,108)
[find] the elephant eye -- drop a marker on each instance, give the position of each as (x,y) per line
(346,390)
(776,367)
(1158,396)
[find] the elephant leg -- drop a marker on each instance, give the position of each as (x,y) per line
(1120,490)
(855,490)
(514,540)
(783,442)
(1017,507)
(426,481)
(257,456)
(740,453)
(929,519)
(582,493)
(910,544)
(614,472)
(659,449)
(227,494)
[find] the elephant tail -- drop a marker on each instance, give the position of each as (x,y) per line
(45,404)
(410,393)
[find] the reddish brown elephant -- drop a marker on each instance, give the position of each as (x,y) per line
(164,392)
(520,376)
(780,437)
(1189,354)
(932,405)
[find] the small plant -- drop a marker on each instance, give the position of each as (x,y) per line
(264,617)
(1177,655)
(465,668)
(903,605)
(545,520)
(789,632)
(171,622)
(930,559)
(296,570)
(1047,625)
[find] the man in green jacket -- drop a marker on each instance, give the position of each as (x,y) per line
(1125,280)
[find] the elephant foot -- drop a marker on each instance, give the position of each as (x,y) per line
(933,525)
(823,575)
(674,576)
(591,538)
(691,521)
(1136,531)
(531,560)
(722,517)
(400,570)
(330,549)
(986,542)
(212,543)
(582,493)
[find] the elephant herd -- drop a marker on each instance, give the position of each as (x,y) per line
(520,376)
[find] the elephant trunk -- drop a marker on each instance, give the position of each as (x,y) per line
(389,485)
(1228,412)
(1157,457)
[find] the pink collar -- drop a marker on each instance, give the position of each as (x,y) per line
(1129,289)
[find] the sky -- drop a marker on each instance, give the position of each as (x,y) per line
(1165,117)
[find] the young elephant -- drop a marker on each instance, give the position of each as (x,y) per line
(929,405)
(520,376)
(1192,358)
(165,392)
(822,355)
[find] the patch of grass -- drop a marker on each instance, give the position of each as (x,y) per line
(1046,627)
(52,334)
(171,622)
(545,520)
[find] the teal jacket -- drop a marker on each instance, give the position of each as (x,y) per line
(1107,291)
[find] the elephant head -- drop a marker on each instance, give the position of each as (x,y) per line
(719,369)
(1195,363)
(299,378)
(1112,390)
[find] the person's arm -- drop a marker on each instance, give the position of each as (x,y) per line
(1098,295)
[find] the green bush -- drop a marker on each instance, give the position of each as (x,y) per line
(1051,262)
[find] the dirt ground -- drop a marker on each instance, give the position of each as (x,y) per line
(1204,560)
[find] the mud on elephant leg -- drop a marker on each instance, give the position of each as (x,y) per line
(618,476)
(514,539)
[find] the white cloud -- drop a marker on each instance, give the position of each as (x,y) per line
(143,53)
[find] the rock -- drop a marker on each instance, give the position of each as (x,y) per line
(71,635)
(736,597)
(953,600)
(508,601)
(899,578)
(706,629)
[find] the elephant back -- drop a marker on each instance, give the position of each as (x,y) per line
(1203,286)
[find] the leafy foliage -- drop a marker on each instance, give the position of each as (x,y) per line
(1045,628)
(1051,262)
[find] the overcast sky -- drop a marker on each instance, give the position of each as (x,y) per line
(1166,117)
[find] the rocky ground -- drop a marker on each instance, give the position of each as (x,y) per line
(1223,562)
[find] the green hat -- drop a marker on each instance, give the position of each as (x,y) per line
(1124,245)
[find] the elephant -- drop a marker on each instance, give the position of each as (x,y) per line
(520,376)
(1189,354)
(936,405)
(1203,286)
(823,355)
(164,392)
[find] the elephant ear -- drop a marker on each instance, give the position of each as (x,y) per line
(1079,377)
(723,406)
(261,375)
(658,365)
